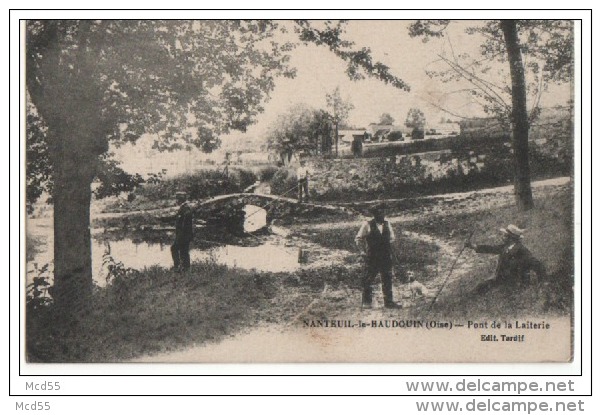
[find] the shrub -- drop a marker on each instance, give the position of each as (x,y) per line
(39,290)
(395,136)
(283,182)
(266,173)
(243,178)
(417,134)
(199,185)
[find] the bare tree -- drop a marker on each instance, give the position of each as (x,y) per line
(339,110)
(546,41)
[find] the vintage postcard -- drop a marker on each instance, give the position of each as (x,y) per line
(299,191)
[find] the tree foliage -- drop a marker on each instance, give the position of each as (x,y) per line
(360,63)
(217,72)
(415,119)
(113,180)
(38,168)
(339,110)
(298,130)
(386,119)
(338,107)
(548,43)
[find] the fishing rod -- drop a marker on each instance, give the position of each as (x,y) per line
(452,268)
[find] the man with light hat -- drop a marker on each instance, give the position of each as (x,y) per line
(184,228)
(515,261)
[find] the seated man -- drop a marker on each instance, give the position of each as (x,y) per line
(515,262)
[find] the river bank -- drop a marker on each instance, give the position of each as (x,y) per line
(153,313)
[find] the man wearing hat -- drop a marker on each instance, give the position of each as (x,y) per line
(180,250)
(515,260)
(302,178)
(374,240)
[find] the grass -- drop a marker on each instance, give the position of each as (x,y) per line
(549,230)
(151,311)
(198,185)
(549,236)
(157,310)
(409,253)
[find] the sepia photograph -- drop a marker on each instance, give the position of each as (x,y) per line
(299,191)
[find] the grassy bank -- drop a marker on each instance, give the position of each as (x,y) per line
(151,311)
(549,229)
(410,254)
(198,185)
(157,310)
(549,236)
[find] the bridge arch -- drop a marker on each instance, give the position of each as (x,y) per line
(228,210)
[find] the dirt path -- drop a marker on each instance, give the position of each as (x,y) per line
(452,203)
(272,341)
(292,337)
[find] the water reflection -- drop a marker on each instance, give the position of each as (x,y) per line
(266,253)
(269,256)
(255,218)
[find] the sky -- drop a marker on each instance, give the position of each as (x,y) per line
(319,71)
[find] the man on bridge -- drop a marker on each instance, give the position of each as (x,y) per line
(302,177)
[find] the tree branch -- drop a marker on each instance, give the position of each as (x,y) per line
(476,81)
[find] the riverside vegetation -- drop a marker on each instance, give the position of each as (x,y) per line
(155,310)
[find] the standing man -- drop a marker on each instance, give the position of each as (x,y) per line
(515,262)
(180,250)
(374,241)
(302,177)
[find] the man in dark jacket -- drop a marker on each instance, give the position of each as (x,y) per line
(374,240)
(180,250)
(515,262)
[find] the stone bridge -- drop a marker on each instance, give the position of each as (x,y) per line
(228,209)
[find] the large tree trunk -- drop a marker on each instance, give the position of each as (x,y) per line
(76,139)
(519,117)
(73,175)
(71,105)
(72,247)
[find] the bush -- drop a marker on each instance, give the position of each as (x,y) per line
(149,311)
(266,173)
(395,136)
(243,178)
(417,134)
(199,185)
(283,182)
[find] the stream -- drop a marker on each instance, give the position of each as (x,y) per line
(262,249)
